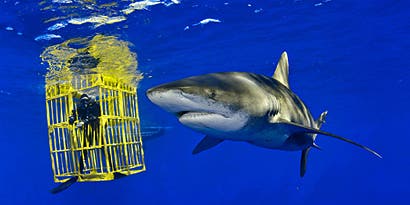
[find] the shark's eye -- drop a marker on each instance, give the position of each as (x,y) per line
(212,94)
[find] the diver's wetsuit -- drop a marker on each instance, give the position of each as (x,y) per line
(88,116)
(88,113)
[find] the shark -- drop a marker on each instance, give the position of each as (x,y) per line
(246,107)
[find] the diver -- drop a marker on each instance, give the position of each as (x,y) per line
(88,111)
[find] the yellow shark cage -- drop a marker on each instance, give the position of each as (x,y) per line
(116,148)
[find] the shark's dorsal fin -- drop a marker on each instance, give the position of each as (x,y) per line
(294,127)
(282,70)
(206,143)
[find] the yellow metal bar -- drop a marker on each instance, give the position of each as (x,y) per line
(103,101)
(52,112)
(111,103)
(134,131)
(99,138)
(121,108)
(100,150)
(64,135)
(132,106)
(107,148)
(93,149)
(113,146)
(129,135)
(69,107)
(81,148)
(48,112)
(56,154)
(88,147)
(60,148)
(78,150)
(124,144)
(50,140)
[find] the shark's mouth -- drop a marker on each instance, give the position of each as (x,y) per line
(180,114)
(212,122)
(198,114)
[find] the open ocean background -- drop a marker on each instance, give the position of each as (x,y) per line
(346,56)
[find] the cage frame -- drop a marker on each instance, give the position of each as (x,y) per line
(69,89)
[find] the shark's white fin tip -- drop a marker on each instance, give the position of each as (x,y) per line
(282,70)
(316,146)
(378,155)
(321,119)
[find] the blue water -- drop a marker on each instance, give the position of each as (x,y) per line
(348,57)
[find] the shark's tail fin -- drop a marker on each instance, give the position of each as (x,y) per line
(308,130)
(303,159)
(297,128)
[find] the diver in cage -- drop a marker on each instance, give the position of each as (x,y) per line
(88,111)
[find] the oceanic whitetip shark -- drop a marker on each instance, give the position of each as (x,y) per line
(248,107)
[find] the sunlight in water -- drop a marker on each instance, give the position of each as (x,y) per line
(100,54)
(98,13)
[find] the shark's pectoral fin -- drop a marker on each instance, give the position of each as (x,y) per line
(303,161)
(206,143)
(294,127)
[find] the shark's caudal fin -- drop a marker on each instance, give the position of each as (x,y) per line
(303,161)
(305,152)
(294,127)
(64,186)
(206,143)
(282,70)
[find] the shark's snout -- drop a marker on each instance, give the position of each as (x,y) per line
(161,94)
(154,92)
(153,95)
(168,99)
(149,92)
(175,100)
(195,108)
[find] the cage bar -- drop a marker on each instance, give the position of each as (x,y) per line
(115,146)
